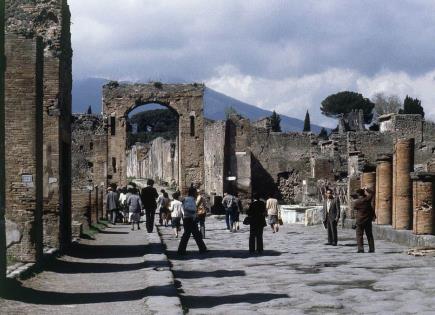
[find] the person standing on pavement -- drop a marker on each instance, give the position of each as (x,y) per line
(272,213)
(365,214)
(112,204)
(176,210)
(164,209)
(257,222)
(190,226)
(229,202)
(149,195)
(201,211)
(331,215)
(135,208)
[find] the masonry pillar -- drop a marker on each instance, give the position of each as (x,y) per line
(423,196)
(403,165)
(384,189)
(23,120)
(2,149)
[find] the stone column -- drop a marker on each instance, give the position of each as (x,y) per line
(384,189)
(23,121)
(423,195)
(403,165)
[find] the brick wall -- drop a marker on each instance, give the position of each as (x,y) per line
(24,138)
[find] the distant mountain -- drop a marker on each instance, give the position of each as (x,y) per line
(88,92)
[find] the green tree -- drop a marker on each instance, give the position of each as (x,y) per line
(275,122)
(323,134)
(307,123)
(412,106)
(344,102)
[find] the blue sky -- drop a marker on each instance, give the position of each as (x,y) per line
(281,55)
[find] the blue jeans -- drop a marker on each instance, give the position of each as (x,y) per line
(229,218)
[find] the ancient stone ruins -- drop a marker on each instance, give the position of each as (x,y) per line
(59,164)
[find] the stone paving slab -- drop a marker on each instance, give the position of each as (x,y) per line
(103,276)
(298,274)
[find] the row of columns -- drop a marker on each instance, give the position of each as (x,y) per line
(403,198)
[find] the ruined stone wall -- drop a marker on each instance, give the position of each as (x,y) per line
(214,144)
(89,151)
(275,153)
(23,141)
(370,144)
(50,20)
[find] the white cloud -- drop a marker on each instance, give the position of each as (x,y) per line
(292,96)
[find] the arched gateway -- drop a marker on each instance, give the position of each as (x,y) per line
(185,99)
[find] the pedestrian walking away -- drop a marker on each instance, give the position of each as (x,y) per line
(159,205)
(149,195)
(257,222)
(135,207)
(176,210)
(190,226)
(229,202)
(365,214)
(331,215)
(112,204)
(272,213)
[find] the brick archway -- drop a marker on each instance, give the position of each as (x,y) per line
(185,99)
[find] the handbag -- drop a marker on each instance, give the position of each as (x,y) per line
(247,221)
(280,221)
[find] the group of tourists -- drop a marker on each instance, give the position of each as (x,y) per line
(129,204)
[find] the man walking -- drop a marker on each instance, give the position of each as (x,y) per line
(331,215)
(112,204)
(149,195)
(228,202)
(365,214)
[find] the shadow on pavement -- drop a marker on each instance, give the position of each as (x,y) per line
(68,267)
(17,292)
(86,251)
(187,274)
(211,301)
(230,253)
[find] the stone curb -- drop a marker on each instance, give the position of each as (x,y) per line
(162,296)
(403,237)
(22,270)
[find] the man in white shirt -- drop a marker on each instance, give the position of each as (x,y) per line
(331,215)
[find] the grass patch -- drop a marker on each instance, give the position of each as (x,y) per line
(94,229)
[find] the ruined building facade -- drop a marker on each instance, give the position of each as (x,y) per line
(38,110)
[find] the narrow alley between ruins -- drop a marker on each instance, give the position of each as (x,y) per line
(126,272)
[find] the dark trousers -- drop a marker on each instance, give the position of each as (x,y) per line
(113,215)
(332,230)
(367,228)
(150,213)
(228,217)
(256,238)
(201,221)
(191,227)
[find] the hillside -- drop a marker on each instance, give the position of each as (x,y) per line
(88,92)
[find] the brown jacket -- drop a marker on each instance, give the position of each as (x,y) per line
(334,209)
(364,209)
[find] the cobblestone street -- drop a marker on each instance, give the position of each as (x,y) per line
(299,275)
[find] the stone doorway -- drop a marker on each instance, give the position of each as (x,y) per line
(184,99)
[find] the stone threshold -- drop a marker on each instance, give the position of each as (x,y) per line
(403,237)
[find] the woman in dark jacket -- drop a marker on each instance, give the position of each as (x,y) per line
(257,222)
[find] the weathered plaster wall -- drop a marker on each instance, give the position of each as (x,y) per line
(214,144)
